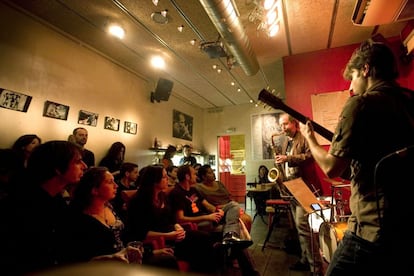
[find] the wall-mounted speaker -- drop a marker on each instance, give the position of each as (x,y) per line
(162,91)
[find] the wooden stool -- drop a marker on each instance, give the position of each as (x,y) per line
(274,208)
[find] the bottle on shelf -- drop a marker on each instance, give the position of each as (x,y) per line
(155,142)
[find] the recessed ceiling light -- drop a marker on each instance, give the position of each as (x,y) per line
(117,31)
(219,70)
(232,83)
(158,62)
(214,66)
(155,2)
(193,41)
(238,89)
(180,28)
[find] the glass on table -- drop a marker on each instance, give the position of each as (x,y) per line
(135,252)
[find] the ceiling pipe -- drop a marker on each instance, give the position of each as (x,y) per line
(223,15)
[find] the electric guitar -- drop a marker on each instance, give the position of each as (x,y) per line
(275,102)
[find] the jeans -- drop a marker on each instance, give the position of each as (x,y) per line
(356,256)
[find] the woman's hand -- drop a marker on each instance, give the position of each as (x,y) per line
(118,256)
(216,216)
(179,235)
(164,251)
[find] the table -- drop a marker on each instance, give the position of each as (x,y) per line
(260,194)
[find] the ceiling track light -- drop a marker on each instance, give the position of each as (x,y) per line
(155,2)
(180,28)
(193,41)
(164,13)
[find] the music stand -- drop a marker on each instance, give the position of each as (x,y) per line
(301,192)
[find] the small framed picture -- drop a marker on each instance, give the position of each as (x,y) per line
(130,127)
(14,100)
(87,118)
(56,110)
(111,123)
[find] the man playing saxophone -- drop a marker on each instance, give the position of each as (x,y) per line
(293,161)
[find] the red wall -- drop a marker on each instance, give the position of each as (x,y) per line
(321,72)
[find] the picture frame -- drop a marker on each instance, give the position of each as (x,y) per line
(55,110)
(130,127)
(112,123)
(14,100)
(265,139)
(88,118)
(182,125)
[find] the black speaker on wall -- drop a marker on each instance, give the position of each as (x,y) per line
(162,91)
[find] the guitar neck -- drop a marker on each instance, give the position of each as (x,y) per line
(275,102)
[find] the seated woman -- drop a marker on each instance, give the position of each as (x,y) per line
(97,231)
(149,215)
(114,158)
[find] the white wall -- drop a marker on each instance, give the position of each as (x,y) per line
(37,61)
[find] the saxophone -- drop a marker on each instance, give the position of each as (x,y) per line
(277,174)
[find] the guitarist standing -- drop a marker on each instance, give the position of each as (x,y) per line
(295,159)
(374,136)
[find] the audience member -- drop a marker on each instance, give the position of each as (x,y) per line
(81,138)
(168,156)
(126,182)
(24,145)
(38,217)
(172,177)
(150,216)
(114,158)
(97,232)
(218,198)
(196,167)
(187,159)
(190,206)
(262,174)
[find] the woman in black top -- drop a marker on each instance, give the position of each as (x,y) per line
(149,215)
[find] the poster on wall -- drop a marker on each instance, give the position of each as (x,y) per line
(326,108)
(87,118)
(265,135)
(14,100)
(112,123)
(182,125)
(130,127)
(55,110)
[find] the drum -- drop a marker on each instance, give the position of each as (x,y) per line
(316,219)
(330,234)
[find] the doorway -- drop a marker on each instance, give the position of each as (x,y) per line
(232,165)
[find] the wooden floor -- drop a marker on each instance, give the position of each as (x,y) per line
(273,260)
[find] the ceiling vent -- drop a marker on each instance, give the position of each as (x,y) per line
(213,49)
(379,12)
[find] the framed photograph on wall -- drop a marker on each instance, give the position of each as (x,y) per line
(14,100)
(55,110)
(130,127)
(266,136)
(182,125)
(87,118)
(112,123)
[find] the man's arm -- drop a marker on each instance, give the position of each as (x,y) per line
(331,165)
(210,217)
